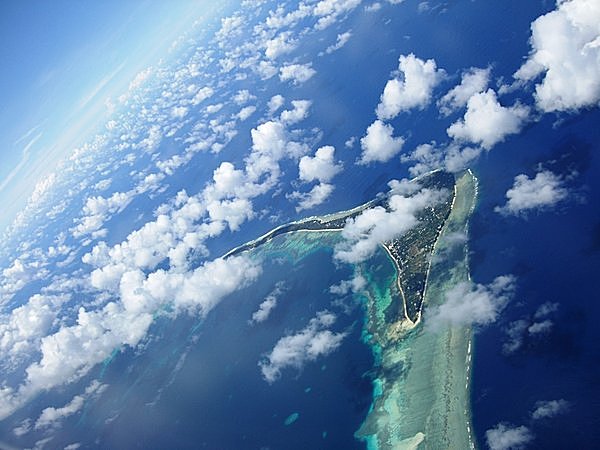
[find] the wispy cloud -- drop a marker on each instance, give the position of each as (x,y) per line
(25,156)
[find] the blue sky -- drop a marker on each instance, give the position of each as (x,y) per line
(61,61)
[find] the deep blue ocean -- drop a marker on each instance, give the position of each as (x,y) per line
(556,257)
(199,380)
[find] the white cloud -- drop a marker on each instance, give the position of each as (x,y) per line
(280,45)
(98,210)
(545,309)
(299,113)
(230,27)
(527,194)
(365,232)
(565,51)
(373,7)
(515,332)
(317,195)
(73,446)
(473,81)
(73,350)
(355,284)
(413,91)
(234,212)
(328,11)
(549,409)
(506,437)
(297,73)
(268,304)
(265,70)
(243,96)
(22,329)
(487,122)
(528,328)
(202,94)
(51,416)
(246,112)
(540,327)
(469,304)
(342,39)
(23,428)
(314,341)
(275,103)
(215,108)
(321,167)
(427,157)
(379,144)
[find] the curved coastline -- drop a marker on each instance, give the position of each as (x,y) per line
(423,381)
(421,396)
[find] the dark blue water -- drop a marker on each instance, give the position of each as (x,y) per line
(214,395)
(555,256)
(198,384)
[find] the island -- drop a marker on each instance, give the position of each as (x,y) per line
(410,253)
(421,378)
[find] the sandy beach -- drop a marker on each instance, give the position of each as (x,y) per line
(424,378)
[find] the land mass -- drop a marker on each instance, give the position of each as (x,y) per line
(410,252)
(421,377)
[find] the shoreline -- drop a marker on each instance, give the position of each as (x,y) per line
(425,377)
(425,402)
(326,218)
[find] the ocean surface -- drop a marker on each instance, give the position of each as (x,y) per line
(556,258)
(199,381)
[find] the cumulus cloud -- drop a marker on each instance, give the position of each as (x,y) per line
(473,80)
(202,94)
(365,232)
(295,350)
(341,40)
(528,329)
(428,157)
(22,329)
(527,194)
(543,327)
(565,52)
(297,114)
(356,284)
(545,309)
(507,437)
(328,11)
(487,122)
(379,144)
(321,167)
(98,210)
(515,333)
(246,112)
(549,409)
(414,90)
(70,352)
(297,73)
(472,304)
(243,96)
(317,195)
(267,305)
(275,103)
(279,45)
(52,416)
